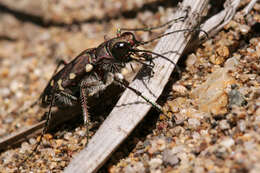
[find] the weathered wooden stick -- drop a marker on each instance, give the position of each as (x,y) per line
(59,117)
(122,120)
(18,137)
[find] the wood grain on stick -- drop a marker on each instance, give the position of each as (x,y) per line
(123,119)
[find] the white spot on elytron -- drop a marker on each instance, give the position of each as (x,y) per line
(72,76)
(46,98)
(59,84)
(89,67)
(52,82)
(124,71)
(89,59)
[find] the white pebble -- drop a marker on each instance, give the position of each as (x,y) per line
(155,163)
(242,125)
(228,142)
(193,123)
(224,125)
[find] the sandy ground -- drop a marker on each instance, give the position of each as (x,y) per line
(212,107)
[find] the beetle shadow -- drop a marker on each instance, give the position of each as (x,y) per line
(99,108)
(146,72)
(138,138)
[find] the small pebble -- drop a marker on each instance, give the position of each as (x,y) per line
(155,163)
(5,92)
(193,123)
(8,119)
(235,98)
(191,60)
(242,125)
(25,147)
(244,29)
(170,158)
(224,125)
(134,168)
(32,141)
(227,142)
(211,96)
(231,63)
(179,88)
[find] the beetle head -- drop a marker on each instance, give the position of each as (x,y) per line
(121,47)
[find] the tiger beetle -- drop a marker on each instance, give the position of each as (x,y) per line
(93,70)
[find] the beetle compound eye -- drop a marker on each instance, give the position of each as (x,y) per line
(120,50)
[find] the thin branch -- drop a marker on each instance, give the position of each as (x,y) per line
(249,7)
(218,21)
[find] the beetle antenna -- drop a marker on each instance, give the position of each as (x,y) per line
(159,55)
(169,33)
(147,29)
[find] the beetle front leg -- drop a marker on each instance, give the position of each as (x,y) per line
(119,78)
(97,85)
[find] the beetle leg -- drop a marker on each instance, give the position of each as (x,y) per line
(88,87)
(59,63)
(120,79)
(65,99)
(96,85)
(83,100)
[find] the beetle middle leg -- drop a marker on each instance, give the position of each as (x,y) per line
(90,86)
(83,100)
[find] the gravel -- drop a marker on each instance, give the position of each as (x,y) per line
(213,108)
